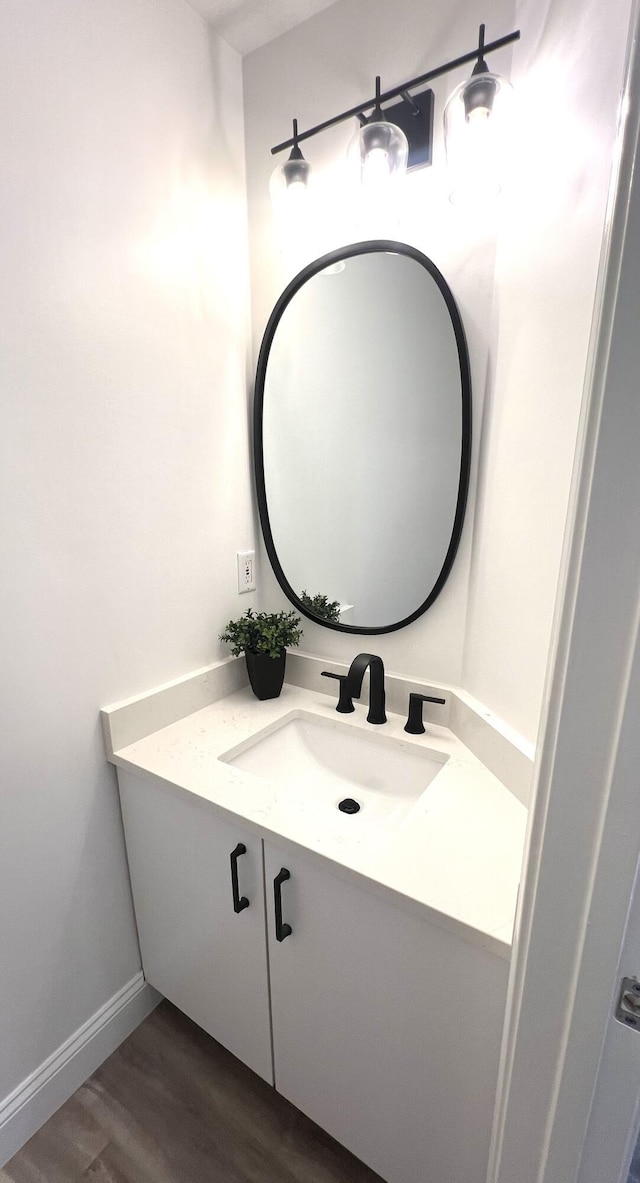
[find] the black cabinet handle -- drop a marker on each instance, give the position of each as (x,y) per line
(240,902)
(282,930)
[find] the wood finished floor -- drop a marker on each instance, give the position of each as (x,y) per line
(172,1106)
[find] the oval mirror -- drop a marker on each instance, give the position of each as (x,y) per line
(362,436)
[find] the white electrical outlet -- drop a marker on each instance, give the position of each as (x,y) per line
(246,570)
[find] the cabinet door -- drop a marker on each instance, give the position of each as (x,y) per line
(208,959)
(386,1028)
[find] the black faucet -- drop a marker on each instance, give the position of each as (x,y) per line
(353,687)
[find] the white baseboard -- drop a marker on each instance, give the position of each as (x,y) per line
(46,1089)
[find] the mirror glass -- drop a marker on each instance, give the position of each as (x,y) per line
(362,436)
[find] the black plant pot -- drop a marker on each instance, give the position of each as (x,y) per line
(266,674)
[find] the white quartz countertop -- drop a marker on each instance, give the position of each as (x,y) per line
(456,855)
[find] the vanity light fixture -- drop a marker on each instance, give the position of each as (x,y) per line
(476,120)
(383,132)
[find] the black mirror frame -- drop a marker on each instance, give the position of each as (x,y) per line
(362,248)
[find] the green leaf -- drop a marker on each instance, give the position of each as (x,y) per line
(321,606)
(262,632)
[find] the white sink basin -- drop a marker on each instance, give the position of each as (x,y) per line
(317,763)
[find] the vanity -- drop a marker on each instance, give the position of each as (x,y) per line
(356,961)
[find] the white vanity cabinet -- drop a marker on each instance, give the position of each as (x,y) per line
(386,1028)
(208,959)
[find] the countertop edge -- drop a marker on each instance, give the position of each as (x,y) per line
(488,941)
(188,757)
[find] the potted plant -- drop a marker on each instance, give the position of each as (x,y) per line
(263,637)
(321,606)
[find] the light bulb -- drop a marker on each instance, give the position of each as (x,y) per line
(296,190)
(296,171)
(480,132)
(381,150)
(375,167)
(478,115)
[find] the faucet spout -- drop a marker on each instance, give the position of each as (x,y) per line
(357,670)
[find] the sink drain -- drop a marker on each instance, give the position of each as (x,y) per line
(349,805)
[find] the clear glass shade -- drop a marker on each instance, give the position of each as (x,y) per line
(289,184)
(381,149)
(289,187)
(477,125)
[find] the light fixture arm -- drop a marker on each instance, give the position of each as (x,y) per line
(478,54)
(481,66)
(296,153)
(377,115)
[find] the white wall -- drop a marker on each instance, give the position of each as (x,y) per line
(124,472)
(490,628)
(568,71)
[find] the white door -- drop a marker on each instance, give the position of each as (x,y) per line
(611,1143)
(386,1028)
(198,950)
(567,1107)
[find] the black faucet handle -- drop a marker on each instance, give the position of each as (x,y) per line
(345,705)
(414,724)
